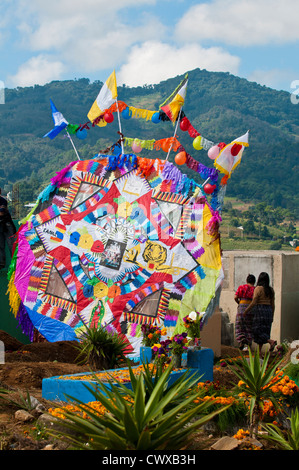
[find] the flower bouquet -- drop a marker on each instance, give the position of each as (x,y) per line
(151,334)
(161,352)
(193,325)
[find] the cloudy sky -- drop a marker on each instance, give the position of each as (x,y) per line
(147,41)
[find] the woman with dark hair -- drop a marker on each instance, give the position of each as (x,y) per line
(243,297)
(263,305)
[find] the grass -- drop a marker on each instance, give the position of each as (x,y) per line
(228,244)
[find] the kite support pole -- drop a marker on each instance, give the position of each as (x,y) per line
(119,125)
(73,145)
(175,131)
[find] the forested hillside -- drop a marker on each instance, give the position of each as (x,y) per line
(220,106)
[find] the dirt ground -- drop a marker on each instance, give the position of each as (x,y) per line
(24,368)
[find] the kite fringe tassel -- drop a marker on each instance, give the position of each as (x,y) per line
(57,180)
(138,319)
(58,302)
(28,216)
(13,264)
(25,323)
(13,296)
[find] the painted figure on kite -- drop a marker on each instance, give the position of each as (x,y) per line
(121,240)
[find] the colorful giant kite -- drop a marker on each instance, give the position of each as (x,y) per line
(119,241)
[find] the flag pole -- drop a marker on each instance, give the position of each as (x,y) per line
(119,125)
(73,144)
(175,131)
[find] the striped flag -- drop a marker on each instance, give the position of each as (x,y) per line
(175,101)
(104,100)
(230,156)
(60,122)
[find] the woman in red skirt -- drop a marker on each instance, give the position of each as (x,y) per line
(243,327)
(262,309)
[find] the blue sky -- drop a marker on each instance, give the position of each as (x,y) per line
(147,41)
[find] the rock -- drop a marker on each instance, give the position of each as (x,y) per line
(226,443)
(251,442)
(49,447)
(34,402)
(40,408)
(24,416)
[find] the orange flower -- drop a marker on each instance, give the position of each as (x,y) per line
(114,291)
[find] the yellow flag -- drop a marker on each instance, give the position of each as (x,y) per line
(174,103)
(104,100)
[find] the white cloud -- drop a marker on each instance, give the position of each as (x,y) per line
(153,61)
(90,36)
(37,71)
(273,78)
(241,22)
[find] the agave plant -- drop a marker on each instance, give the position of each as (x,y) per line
(288,440)
(24,402)
(255,376)
(101,348)
(162,419)
(3,391)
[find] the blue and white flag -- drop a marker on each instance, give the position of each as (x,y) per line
(60,122)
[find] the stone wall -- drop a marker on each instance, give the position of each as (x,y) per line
(283,269)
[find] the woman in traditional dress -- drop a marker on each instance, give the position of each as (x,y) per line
(262,308)
(243,297)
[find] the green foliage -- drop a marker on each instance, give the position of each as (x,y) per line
(219,105)
(23,403)
(102,349)
(292,370)
(276,245)
(286,440)
(162,419)
(3,391)
(255,375)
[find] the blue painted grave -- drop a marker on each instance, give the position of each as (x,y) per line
(66,388)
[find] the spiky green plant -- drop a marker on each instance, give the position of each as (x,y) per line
(3,391)
(162,419)
(23,403)
(101,348)
(256,375)
(286,440)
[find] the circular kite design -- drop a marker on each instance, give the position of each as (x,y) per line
(117,247)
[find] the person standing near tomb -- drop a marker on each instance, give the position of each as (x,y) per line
(262,308)
(7,230)
(243,326)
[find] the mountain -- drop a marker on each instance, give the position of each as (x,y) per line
(220,106)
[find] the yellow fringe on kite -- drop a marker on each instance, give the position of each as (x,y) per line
(23,221)
(141,113)
(145,144)
(13,296)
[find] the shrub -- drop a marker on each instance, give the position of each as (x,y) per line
(286,440)
(255,383)
(101,348)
